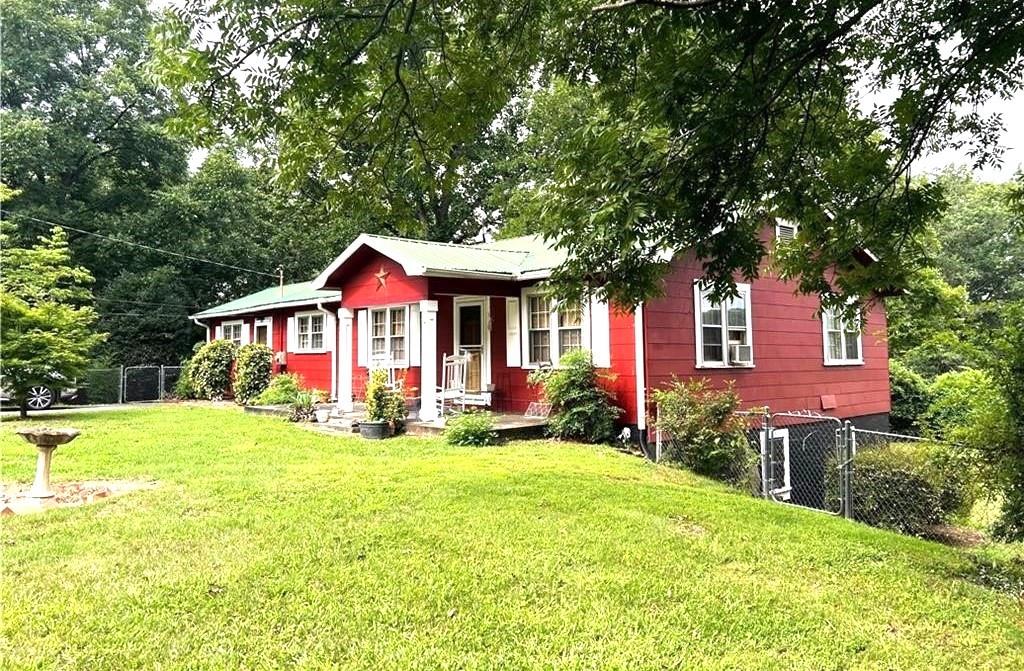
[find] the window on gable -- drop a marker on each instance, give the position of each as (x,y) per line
(842,339)
(785,231)
(310,331)
(724,333)
(388,335)
(232,331)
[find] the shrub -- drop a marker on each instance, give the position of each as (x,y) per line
(909,394)
(581,408)
(959,403)
(304,405)
(253,367)
(907,487)
(706,435)
(384,404)
(211,369)
(184,387)
(282,390)
(472,429)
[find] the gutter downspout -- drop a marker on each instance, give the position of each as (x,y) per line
(201,324)
(640,359)
(334,348)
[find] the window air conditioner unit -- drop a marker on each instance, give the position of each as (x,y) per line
(742,354)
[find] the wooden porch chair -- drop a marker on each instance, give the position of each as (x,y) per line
(396,380)
(453,383)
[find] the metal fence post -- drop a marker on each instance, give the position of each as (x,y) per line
(846,474)
(766,444)
(160,384)
(120,386)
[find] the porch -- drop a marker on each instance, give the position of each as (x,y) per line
(508,425)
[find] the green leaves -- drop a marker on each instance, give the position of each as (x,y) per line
(46,317)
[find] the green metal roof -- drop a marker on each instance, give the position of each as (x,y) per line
(525,257)
(299,293)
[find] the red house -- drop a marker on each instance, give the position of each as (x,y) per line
(404,304)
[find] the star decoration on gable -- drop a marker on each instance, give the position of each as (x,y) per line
(382,278)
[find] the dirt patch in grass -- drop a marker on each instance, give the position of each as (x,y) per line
(15,499)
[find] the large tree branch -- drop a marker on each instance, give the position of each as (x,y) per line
(660,4)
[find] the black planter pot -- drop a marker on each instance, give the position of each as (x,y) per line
(374,430)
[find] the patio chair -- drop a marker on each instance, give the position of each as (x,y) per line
(396,378)
(453,383)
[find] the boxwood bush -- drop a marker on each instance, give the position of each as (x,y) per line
(211,369)
(283,389)
(704,432)
(473,429)
(253,367)
(581,409)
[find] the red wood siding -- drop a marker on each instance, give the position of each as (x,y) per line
(314,369)
(789,371)
(360,288)
(623,359)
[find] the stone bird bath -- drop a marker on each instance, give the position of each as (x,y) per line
(46,440)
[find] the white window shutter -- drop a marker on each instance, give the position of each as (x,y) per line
(245,333)
(362,338)
(513,349)
(218,333)
(600,334)
(290,344)
(414,334)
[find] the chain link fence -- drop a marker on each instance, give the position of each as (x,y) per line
(893,481)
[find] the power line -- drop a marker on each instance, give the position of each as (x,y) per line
(104,315)
(139,244)
(121,300)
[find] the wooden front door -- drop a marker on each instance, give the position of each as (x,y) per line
(472,339)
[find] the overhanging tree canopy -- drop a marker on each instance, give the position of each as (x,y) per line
(686,125)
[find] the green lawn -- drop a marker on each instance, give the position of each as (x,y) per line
(270,546)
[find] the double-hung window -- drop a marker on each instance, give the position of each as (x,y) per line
(309,329)
(842,340)
(388,336)
(552,330)
(724,333)
(232,331)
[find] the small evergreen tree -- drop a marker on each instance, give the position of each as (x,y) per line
(46,317)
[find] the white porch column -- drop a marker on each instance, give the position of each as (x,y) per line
(428,361)
(345,331)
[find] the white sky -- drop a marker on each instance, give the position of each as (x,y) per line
(1012,111)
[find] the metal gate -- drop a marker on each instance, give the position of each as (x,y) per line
(804,458)
(141,383)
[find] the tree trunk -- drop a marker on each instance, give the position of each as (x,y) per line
(23,406)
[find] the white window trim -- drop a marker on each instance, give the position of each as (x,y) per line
(779,223)
(310,350)
(744,290)
(240,323)
(785,491)
(553,339)
(391,363)
(829,361)
(485,342)
(269,323)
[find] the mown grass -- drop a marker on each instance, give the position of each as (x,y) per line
(269,546)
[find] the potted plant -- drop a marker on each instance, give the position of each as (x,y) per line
(385,408)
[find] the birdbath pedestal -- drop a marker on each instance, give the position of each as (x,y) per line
(46,440)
